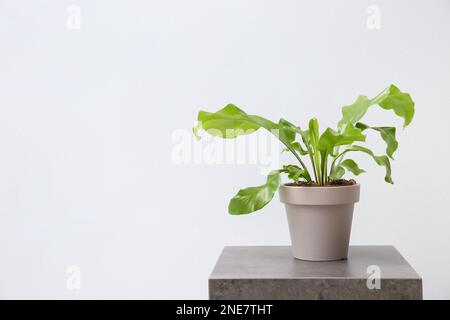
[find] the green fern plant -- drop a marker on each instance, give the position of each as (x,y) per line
(325,151)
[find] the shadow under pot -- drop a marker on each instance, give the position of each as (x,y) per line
(320,220)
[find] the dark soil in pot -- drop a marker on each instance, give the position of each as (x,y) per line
(335,183)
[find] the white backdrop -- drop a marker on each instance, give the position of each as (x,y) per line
(91,93)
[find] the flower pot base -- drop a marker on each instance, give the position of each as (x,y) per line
(320,221)
(309,260)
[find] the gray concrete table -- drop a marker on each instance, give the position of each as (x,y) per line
(265,272)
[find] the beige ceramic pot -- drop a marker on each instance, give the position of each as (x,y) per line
(320,220)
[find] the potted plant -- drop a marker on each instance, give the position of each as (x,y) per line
(319,202)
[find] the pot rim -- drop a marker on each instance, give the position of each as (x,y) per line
(320,187)
(319,195)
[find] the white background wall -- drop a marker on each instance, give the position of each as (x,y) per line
(87,116)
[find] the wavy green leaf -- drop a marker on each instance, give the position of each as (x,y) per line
(231,122)
(387,134)
(297,147)
(351,166)
(287,130)
(348,164)
(337,173)
(389,99)
(331,138)
(252,199)
(287,134)
(400,102)
(294,172)
(380,160)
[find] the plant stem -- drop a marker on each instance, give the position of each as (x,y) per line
(314,169)
(308,176)
(332,167)
(324,168)
(310,153)
(319,166)
(338,156)
(315,159)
